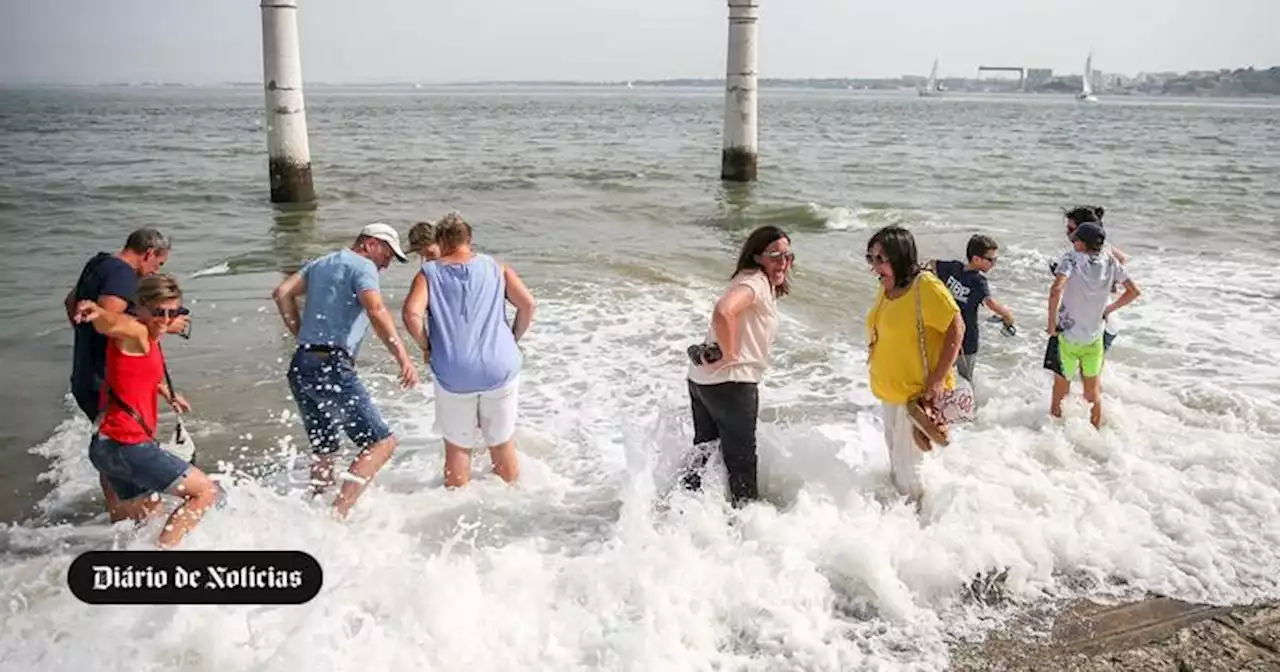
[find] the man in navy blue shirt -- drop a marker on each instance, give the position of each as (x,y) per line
(968,284)
(110,280)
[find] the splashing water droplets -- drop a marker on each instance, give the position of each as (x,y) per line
(595,559)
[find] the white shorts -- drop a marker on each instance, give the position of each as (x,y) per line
(477,419)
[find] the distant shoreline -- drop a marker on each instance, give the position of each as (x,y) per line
(956,86)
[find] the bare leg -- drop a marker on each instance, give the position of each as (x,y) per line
(457,465)
(199,493)
(1061,386)
(506,462)
(138,509)
(1093,394)
(114,506)
(364,468)
(321,474)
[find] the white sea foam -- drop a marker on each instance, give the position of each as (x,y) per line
(217,269)
(597,561)
(840,217)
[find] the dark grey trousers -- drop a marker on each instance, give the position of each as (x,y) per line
(964,365)
(728,412)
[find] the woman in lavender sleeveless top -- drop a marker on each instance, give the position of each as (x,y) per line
(471,349)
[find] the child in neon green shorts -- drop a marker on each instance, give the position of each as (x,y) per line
(1078,303)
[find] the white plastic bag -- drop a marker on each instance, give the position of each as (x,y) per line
(181,444)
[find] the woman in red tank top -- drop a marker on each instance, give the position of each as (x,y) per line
(125,449)
(134,380)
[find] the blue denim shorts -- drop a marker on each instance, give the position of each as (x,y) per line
(333,401)
(136,469)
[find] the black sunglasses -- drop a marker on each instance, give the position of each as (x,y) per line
(170,313)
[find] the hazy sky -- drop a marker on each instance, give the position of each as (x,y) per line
(201,41)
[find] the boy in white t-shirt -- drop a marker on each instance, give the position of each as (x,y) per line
(1078,309)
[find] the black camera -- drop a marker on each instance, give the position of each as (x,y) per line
(704,353)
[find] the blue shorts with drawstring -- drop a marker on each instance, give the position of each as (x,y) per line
(333,401)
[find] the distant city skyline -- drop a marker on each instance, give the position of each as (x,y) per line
(90,42)
(1098,73)
(923,74)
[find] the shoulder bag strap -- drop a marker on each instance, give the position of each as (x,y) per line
(924,352)
(130,410)
(173,394)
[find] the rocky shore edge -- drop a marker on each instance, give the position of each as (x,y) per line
(1154,634)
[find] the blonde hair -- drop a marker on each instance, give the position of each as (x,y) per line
(158,288)
(452,231)
(421,235)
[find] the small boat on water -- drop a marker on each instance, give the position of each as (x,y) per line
(933,87)
(1086,82)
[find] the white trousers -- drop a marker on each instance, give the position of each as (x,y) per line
(904,455)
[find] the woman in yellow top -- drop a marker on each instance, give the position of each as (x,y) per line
(898,372)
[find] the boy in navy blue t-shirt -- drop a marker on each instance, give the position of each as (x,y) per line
(968,284)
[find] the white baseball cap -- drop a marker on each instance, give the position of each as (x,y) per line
(386,234)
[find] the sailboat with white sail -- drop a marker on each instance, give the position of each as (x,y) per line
(933,87)
(1086,82)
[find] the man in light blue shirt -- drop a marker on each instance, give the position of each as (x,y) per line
(342,301)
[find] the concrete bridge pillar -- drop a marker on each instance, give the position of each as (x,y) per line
(288,153)
(738,159)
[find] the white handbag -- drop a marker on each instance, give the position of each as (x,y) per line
(181,444)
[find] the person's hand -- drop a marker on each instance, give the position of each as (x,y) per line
(178,324)
(408,374)
(722,363)
(933,388)
(180,404)
(87,311)
(724,358)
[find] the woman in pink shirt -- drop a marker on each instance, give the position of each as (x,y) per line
(726,368)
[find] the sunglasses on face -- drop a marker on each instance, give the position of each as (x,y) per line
(874,259)
(779,256)
(169,313)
